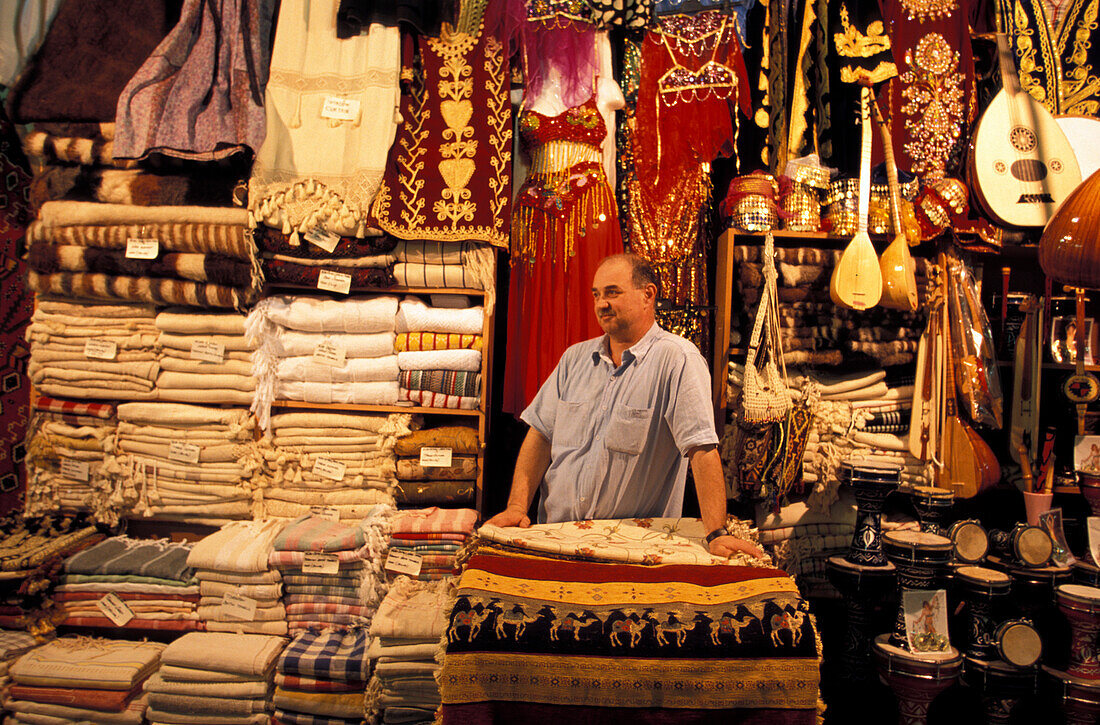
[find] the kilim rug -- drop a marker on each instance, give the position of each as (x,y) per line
(15,313)
(536,640)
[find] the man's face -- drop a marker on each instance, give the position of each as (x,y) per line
(619,305)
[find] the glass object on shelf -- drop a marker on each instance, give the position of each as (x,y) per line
(1063,339)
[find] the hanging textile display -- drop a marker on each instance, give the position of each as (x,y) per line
(331,109)
(1058,60)
(175,106)
(449,174)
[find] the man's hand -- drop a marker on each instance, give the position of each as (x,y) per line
(729,545)
(511,517)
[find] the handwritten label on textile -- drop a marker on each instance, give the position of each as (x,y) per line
(101,349)
(78,470)
(237,606)
(334,281)
(325,512)
(315,563)
(328,354)
(325,240)
(435,457)
(142,248)
(184,452)
(403,562)
(208,351)
(340,109)
(330,469)
(115,610)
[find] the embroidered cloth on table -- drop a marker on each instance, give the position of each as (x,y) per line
(408,341)
(523,632)
(334,655)
(636,541)
(275,242)
(414,315)
(86,662)
(320,167)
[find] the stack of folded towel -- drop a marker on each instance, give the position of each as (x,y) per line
(406,632)
(341,461)
(324,578)
(180,460)
(67,444)
(204,357)
(420,484)
(802,540)
(189,255)
(299,260)
(80,679)
(435,535)
(446,373)
(208,677)
(240,591)
(157,588)
(323,351)
(13,645)
(85,350)
(321,678)
(467,265)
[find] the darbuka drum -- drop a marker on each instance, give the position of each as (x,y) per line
(862,587)
(1024,545)
(920,559)
(1087,573)
(1001,686)
(980,586)
(1018,643)
(1081,606)
(932,506)
(970,540)
(1080,697)
(871,484)
(914,680)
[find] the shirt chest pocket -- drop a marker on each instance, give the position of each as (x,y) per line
(571,423)
(628,429)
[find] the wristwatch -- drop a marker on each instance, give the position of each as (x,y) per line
(721,531)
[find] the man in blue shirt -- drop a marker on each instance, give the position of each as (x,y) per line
(615,426)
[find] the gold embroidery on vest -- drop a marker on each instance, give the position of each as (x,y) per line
(854,44)
(1080,83)
(1026,67)
(500,138)
(457,151)
(934,108)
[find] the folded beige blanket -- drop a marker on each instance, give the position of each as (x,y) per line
(184,342)
(91,392)
(392,424)
(184,321)
(275,508)
(193,381)
(276,628)
(211,396)
(92,308)
(172,415)
(83,213)
(229,367)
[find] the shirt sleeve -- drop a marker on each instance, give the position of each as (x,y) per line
(690,414)
(542,413)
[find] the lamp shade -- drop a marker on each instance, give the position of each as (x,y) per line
(1069,250)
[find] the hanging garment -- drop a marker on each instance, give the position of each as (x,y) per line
(449,174)
(200,95)
(331,108)
(565,223)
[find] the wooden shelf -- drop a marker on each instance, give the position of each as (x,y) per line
(374,408)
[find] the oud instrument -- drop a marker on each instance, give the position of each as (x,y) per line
(1022,166)
(899,271)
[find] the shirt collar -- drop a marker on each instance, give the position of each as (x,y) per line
(635,352)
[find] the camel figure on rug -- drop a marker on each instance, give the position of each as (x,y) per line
(470,618)
(729,624)
(790,621)
(671,626)
(570,623)
(518,618)
(628,627)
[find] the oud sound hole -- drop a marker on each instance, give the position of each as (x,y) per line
(1029,170)
(1022,138)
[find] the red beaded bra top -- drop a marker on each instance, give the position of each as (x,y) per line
(582,124)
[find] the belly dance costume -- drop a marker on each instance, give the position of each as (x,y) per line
(564,223)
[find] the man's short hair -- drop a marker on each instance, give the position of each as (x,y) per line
(641,271)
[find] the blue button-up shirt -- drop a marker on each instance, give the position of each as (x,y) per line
(619,435)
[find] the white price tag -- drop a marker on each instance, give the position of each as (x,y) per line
(101,349)
(237,606)
(184,452)
(334,281)
(325,512)
(403,562)
(115,610)
(340,109)
(329,468)
(328,354)
(435,457)
(78,470)
(323,239)
(208,351)
(316,563)
(142,248)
